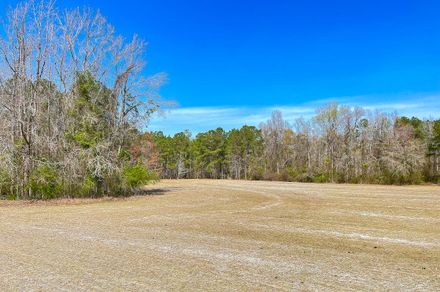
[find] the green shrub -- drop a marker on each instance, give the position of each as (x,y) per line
(124,155)
(11,197)
(304,177)
(355,180)
(291,174)
(137,175)
(257,173)
(88,187)
(321,178)
(45,183)
(5,184)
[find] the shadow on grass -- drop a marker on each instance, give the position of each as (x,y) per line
(5,202)
(153,192)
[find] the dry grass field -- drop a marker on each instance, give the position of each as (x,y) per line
(227,235)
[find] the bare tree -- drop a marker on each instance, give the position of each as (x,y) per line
(274,134)
(55,62)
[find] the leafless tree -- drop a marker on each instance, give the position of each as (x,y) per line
(43,51)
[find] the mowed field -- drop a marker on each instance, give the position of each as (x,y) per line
(206,235)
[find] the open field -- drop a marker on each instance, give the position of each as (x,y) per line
(227,235)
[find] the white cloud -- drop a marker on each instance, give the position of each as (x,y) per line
(198,119)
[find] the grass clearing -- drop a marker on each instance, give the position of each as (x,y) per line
(234,235)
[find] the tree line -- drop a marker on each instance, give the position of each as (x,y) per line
(74,103)
(339,144)
(72,98)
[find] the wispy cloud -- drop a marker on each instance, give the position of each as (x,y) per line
(198,119)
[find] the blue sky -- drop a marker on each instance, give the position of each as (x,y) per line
(232,62)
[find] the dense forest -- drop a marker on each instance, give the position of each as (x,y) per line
(72,98)
(339,144)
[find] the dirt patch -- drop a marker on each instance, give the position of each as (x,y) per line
(227,235)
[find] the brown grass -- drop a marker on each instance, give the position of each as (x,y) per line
(227,235)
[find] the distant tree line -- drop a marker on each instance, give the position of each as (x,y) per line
(73,102)
(339,144)
(72,96)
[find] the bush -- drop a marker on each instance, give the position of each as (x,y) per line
(286,175)
(306,178)
(5,184)
(45,183)
(137,176)
(355,180)
(257,173)
(270,176)
(88,187)
(321,178)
